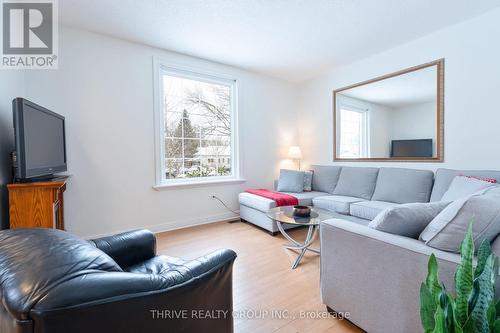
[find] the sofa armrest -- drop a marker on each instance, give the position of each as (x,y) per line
(100,287)
(128,248)
(210,262)
(134,302)
(376,276)
(409,244)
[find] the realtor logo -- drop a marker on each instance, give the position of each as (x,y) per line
(29,34)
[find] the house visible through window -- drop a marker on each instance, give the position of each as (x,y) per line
(354,133)
(198,134)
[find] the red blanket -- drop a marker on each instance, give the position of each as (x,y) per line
(281,199)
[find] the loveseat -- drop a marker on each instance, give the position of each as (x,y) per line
(52,281)
(373,275)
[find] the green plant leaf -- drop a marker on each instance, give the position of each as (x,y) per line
(448,305)
(469,326)
(464,277)
(491,315)
(473,310)
(497,307)
(432,280)
(444,303)
(494,271)
(485,295)
(427,308)
(496,326)
(440,321)
(482,254)
(457,328)
(473,297)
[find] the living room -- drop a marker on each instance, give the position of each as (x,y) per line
(176,137)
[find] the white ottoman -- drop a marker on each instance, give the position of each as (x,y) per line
(253,209)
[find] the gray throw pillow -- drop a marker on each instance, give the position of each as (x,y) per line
(463,186)
(447,230)
(291,181)
(407,219)
(308,177)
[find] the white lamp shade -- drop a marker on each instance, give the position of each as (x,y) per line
(295,153)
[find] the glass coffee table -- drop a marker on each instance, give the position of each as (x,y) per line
(284,215)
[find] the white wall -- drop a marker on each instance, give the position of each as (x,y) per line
(415,121)
(472,109)
(104,87)
(380,129)
(11,86)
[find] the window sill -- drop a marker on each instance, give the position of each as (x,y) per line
(197,183)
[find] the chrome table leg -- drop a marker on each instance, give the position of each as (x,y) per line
(297,246)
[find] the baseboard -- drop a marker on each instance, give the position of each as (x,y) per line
(174,225)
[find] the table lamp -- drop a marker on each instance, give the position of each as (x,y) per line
(295,153)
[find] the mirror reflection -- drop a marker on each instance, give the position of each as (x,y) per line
(395,117)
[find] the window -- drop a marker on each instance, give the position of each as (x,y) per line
(353,132)
(196,131)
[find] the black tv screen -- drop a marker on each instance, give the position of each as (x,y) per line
(412,148)
(40,140)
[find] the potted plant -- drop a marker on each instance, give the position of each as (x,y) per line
(473,307)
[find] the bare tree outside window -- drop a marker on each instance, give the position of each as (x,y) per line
(197,128)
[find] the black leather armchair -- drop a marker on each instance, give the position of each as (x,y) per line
(52,281)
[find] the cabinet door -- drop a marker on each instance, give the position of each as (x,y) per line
(31,208)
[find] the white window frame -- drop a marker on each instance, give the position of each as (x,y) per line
(365,144)
(160,68)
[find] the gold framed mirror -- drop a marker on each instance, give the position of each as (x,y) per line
(395,117)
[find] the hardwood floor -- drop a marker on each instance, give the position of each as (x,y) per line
(263,278)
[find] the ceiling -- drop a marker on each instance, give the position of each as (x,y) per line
(399,91)
(290,39)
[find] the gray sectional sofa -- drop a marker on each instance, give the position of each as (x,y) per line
(356,194)
(373,275)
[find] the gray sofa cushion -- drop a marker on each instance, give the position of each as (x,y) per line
(291,181)
(335,203)
(447,229)
(306,198)
(462,186)
(325,178)
(444,177)
(409,219)
(356,182)
(369,209)
(403,185)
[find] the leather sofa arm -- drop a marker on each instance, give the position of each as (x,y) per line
(128,248)
(105,302)
(96,288)
(205,264)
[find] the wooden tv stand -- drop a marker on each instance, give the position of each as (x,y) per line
(37,204)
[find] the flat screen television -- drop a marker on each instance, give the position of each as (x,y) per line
(411,148)
(40,141)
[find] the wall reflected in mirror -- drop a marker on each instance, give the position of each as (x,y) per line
(395,117)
